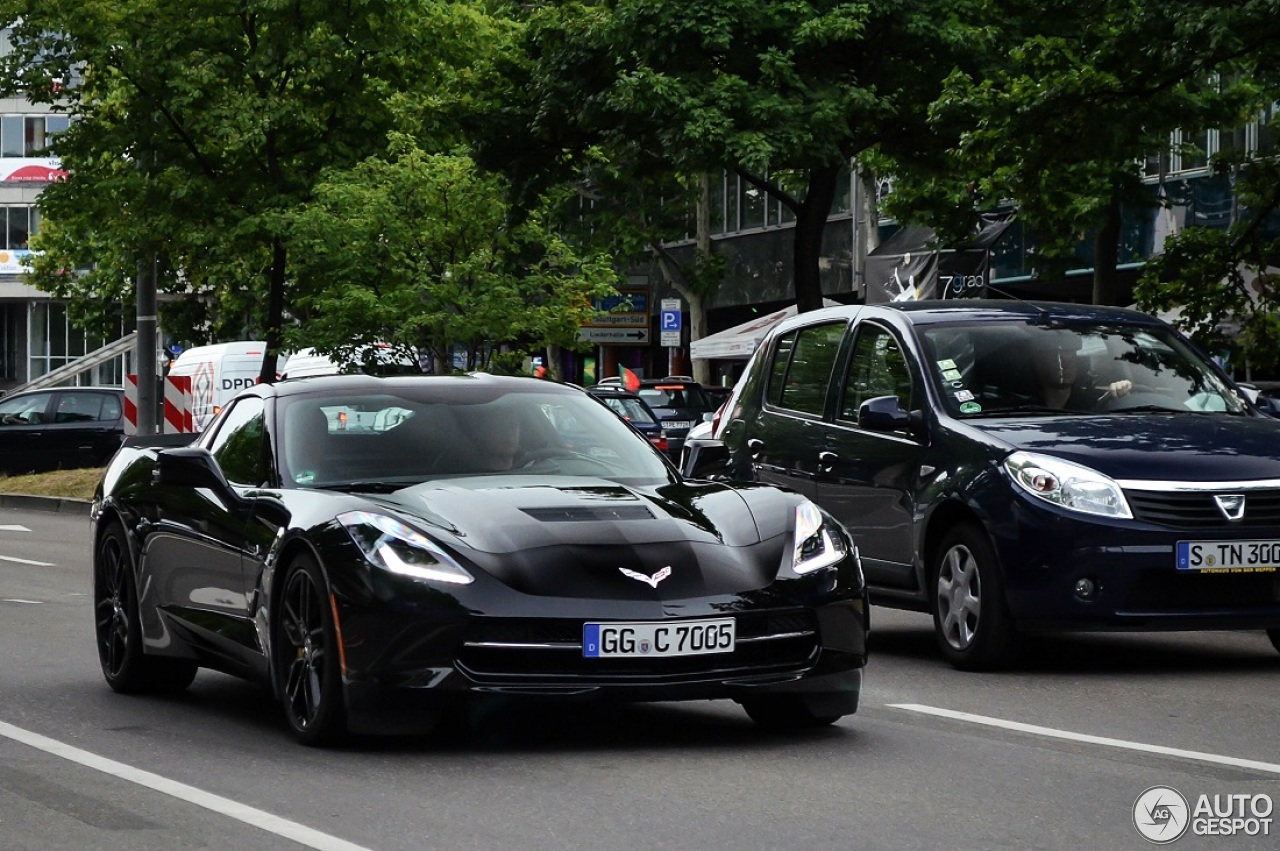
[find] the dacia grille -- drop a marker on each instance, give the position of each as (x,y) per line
(1199,510)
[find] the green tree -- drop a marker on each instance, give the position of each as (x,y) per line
(762,88)
(1063,107)
(201,126)
(1222,281)
(423,250)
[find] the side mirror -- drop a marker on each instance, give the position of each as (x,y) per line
(704,458)
(190,467)
(883,413)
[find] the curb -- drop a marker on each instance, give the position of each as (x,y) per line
(59,504)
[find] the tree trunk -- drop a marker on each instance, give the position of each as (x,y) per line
(697,305)
(811,223)
(275,312)
(1106,249)
(553,358)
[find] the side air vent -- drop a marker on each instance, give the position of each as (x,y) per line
(578,513)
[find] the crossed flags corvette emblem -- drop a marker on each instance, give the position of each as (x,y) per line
(651,581)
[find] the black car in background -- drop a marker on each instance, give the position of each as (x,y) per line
(61,428)
(680,403)
(1010,466)
(383,552)
(634,410)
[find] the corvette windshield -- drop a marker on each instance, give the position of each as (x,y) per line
(1016,368)
(387,440)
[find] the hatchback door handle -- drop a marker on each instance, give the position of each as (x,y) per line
(755,447)
(826,461)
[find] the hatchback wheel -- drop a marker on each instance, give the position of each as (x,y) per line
(970,616)
(118,628)
(305,644)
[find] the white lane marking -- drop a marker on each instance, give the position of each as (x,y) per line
(1050,732)
(225,806)
(16,600)
(13,527)
(27,561)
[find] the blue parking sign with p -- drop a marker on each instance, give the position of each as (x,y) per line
(670,320)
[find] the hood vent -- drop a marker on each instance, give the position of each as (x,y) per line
(578,513)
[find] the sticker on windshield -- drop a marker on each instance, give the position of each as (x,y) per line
(951,374)
(964,396)
(946,364)
(970,408)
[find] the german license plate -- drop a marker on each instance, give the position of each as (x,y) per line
(1229,556)
(677,423)
(664,638)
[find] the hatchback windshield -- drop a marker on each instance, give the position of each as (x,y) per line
(999,368)
(329,440)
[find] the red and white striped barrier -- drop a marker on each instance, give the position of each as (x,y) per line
(177,405)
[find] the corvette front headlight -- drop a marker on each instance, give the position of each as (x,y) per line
(1067,485)
(395,547)
(815,546)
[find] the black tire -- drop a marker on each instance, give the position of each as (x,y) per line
(118,628)
(305,645)
(1274,635)
(787,712)
(970,614)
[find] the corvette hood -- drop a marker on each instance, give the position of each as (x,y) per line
(1165,447)
(592,537)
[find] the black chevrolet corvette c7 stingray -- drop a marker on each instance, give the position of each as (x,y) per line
(381,551)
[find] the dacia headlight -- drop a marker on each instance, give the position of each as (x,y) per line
(815,546)
(395,547)
(1067,485)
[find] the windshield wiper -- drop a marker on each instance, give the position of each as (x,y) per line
(1158,409)
(1024,409)
(365,486)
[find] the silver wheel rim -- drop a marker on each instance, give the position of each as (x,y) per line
(959,597)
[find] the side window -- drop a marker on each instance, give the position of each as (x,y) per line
(879,368)
(778,369)
(78,407)
(241,443)
(25,410)
(808,374)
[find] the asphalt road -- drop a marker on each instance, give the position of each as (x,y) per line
(1052,755)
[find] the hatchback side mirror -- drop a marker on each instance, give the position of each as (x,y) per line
(883,413)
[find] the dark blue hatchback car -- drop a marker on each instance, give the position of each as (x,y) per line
(1011,466)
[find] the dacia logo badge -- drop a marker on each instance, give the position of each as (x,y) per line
(1231,506)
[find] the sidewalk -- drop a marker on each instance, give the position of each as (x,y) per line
(60,504)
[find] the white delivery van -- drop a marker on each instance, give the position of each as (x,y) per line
(389,360)
(218,372)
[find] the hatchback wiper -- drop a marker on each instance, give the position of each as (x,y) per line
(1024,409)
(1158,409)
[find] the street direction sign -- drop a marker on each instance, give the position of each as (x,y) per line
(615,336)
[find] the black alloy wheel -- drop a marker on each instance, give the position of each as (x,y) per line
(970,616)
(306,657)
(118,628)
